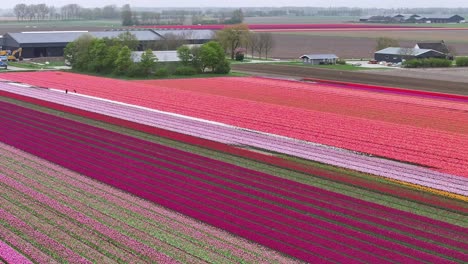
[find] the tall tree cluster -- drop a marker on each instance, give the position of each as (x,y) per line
(210,56)
(239,36)
(109,56)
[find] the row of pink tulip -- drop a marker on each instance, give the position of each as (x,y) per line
(10,255)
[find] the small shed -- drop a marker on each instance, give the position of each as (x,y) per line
(317,59)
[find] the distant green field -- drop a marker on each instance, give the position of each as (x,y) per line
(300,19)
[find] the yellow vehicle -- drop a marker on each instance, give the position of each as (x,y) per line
(12,54)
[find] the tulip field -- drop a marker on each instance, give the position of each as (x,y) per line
(75,192)
(428,132)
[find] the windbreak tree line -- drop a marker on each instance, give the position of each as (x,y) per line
(210,57)
(113,56)
(109,56)
(24,12)
(239,37)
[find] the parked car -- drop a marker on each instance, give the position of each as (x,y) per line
(373,62)
(3,64)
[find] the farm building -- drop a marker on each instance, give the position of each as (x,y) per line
(52,43)
(396,54)
(412,18)
(317,59)
(161,55)
(437,46)
(445,19)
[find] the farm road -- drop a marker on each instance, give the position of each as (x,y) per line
(285,71)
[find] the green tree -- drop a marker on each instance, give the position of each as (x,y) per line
(185,55)
(237,16)
(385,42)
(233,37)
(212,55)
(196,61)
(78,52)
(127,16)
(148,62)
(128,39)
(111,55)
(123,61)
(97,55)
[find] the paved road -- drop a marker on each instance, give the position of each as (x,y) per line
(298,72)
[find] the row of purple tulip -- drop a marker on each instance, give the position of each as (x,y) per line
(247,210)
(232,135)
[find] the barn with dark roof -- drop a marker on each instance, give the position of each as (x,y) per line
(53,43)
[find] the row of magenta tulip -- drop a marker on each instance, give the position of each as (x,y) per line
(156,223)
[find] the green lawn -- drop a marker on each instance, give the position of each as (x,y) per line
(36,66)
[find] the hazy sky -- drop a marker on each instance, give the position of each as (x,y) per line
(229,3)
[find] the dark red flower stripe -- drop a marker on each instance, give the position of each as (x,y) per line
(232,206)
(241,152)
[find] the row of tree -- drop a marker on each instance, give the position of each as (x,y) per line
(70,11)
(239,36)
(179,17)
(210,56)
(114,56)
(107,55)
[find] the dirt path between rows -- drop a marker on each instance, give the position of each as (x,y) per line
(297,72)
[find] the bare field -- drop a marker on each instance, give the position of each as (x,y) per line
(414,80)
(293,46)
(299,19)
(448,35)
(358,44)
(442,74)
